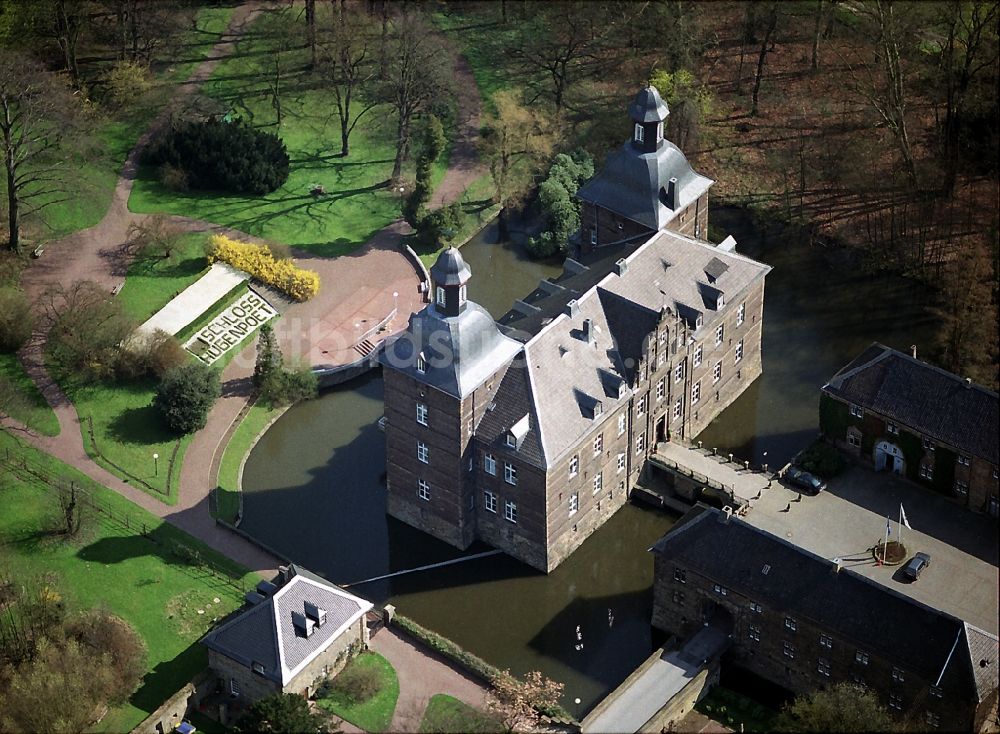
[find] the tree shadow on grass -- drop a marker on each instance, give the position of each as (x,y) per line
(168,677)
(140,426)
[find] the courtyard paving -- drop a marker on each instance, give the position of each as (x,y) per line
(850,517)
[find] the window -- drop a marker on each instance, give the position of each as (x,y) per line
(639,133)
(791,624)
(739,352)
(853,438)
(859,679)
(593,235)
(895,701)
(462,298)
(257,668)
(964,460)
(234,687)
(933,719)
(490,502)
(898,676)
(679,372)
(598,482)
(927,472)
(892,428)
(490,465)
(621,462)
(678,407)
(621,424)
(509,473)
(697,356)
(510,511)
(598,443)
(788,649)
(678,596)
(423,453)
(823,667)
(937,692)
(423,490)
(717,372)
(720,332)
(574,465)
(857,411)
(721,590)
(741,314)
(696,392)
(440,296)
(660,389)
(421,363)
(929,444)
(574,503)
(756,608)
(640,407)
(826,641)
(640,443)
(754,633)
(511,441)
(861,657)
(961,488)
(662,357)
(421,414)
(680,575)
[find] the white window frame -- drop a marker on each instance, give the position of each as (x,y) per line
(509,473)
(823,667)
(892,428)
(422,414)
(598,482)
(439,296)
(598,443)
(574,465)
(234,687)
(622,420)
(640,443)
(621,462)
(510,511)
(720,334)
(739,352)
(678,408)
(574,503)
(490,501)
(696,393)
(753,632)
(860,656)
(898,675)
(639,133)
(741,314)
(895,701)
(423,453)
(511,441)
(423,490)
(929,444)
(857,411)
(756,608)
(961,488)
(788,649)
(421,363)
(964,459)
(826,641)
(853,437)
(698,354)
(660,389)
(640,406)
(791,624)
(927,472)
(933,719)
(717,372)
(679,372)
(490,464)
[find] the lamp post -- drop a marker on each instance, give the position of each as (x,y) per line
(156,470)
(577,702)
(395,305)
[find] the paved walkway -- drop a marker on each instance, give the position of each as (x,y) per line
(422,674)
(194,300)
(746,484)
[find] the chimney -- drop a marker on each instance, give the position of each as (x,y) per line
(913,350)
(621,266)
(968,382)
(572,308)
(672,193)
(836,565)
(588,331)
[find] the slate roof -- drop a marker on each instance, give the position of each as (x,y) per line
(514,400)
(982,647)
(264,633)
(648,106)
(877,619)
(924,398)
(450,268)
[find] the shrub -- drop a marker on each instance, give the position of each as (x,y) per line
(823,459)
(440,225)
(186,394)
(260,262)
(559,207)
(226,156)
(126,81)
(357,684)
(154,354)
(16,320)
(285,387)
(173,177)
(88,329)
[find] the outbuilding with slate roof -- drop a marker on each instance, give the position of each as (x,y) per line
(286,639)
(907,416)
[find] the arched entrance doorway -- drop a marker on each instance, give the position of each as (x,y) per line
(889,456)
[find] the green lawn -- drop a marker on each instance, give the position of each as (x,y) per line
(448,715)
(150,284)
(134,576)
(375,714)
(227,495)
(737,711)
(477,204)
(357,203)
(34,412)
(95,171)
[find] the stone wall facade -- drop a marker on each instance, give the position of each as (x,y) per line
(601,227)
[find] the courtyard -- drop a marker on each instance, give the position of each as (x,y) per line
(850,517)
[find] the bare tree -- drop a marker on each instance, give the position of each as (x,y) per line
(417,75)
(37,113)
(517,705)
(770,23)
(350,72)
(311,32)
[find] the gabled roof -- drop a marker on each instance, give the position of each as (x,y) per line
(924,398)
(513,401)
(632,184)
(877,619)
(264,633)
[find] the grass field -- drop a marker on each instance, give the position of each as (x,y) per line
(375,714)
(485,43)
(227,495)
(357,203)
(134,576)
(33,411)
(447,715)
(150,284)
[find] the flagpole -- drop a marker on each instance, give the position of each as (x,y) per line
(899,525)
(885,545)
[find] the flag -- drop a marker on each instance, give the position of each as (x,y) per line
(902,514)
(888,527)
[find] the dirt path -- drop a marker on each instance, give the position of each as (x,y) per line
(358,291)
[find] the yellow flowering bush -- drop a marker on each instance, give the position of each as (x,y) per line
(260,262)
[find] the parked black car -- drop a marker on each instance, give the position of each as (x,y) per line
(916,566)
(809,482)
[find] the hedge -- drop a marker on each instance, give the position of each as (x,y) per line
(260,262)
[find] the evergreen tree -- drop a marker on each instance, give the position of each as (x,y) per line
(268,356)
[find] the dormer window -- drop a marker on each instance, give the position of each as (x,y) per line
(257,668)
(511,441)
(421,363)
(622,389)
(439,296)
(639,133)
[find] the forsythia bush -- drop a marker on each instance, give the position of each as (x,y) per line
(260,262)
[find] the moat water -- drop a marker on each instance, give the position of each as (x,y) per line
(314,483)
